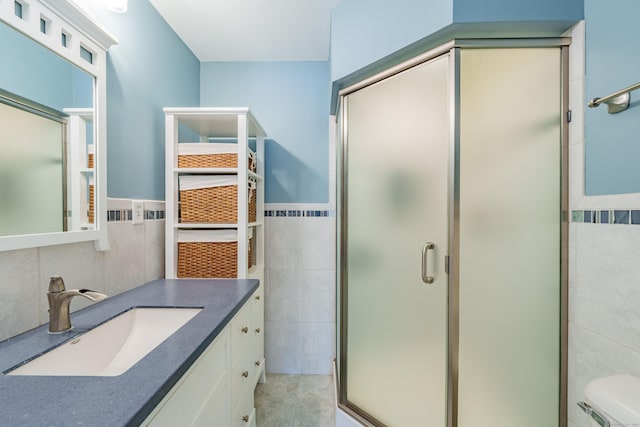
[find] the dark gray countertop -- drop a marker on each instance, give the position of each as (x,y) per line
(128,399)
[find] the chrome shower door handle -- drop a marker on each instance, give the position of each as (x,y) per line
(425,270)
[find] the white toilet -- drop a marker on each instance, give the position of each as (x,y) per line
(613,401)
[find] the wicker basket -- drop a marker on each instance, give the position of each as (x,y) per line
(208,259)
(91,210)
(253,200)
(211,155)
(216,202)
(250,252)
(90,156)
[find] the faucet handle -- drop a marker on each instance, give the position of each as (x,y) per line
(56,284)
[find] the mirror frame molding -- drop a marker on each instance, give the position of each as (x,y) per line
(83,34)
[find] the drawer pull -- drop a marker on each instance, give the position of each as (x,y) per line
(245,374)
(258,330)
(245,329)
(245,418)
(258,297)
(258,363)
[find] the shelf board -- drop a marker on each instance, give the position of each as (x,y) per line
(215,121)
(254,175)
(215,171)
(255,272)
(203,226)
(207,170)
(86,170)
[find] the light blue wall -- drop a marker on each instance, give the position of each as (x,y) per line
(363,31)
(150,68)
(612,141)
(291,102)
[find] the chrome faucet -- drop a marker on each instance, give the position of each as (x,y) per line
(59,300)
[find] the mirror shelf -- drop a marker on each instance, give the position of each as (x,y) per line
(73,35)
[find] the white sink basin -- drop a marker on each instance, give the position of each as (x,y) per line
(113,347)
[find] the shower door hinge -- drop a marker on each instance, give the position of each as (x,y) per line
(569,116)
(446,264)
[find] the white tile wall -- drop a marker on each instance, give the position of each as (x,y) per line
(124,262)
(20,293)
(300,295)
(135,257)
(284,295)
(154,244)
(604,320)
(283,347)
(318,348)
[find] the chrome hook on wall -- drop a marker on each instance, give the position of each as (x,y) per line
(617,101)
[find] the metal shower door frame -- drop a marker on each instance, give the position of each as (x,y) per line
(453,268)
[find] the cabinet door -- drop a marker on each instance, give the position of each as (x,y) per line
(395,235)
(216,410)
(201,397)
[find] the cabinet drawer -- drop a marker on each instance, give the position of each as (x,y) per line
(241,336)
(245,414)
(242,375)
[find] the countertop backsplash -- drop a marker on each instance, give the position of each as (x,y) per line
(136,256)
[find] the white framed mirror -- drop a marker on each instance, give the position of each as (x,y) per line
(53,124)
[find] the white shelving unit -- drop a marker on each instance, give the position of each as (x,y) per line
(237,124)
(80,175)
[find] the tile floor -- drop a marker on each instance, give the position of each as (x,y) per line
(295,401)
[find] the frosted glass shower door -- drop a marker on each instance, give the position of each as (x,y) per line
(397,180)
(510,237)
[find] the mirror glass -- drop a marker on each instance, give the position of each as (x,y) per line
(47,162)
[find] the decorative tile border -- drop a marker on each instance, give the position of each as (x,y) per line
(299,213)
(607,216)
(127,215)
(151,215)
(120,215)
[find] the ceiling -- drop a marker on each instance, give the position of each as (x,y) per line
(251,30)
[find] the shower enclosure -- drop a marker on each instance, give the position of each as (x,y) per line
(453,238)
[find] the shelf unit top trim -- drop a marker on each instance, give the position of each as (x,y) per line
(216,122)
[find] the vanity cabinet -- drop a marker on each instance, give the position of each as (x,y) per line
(218,389)
(214,193)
